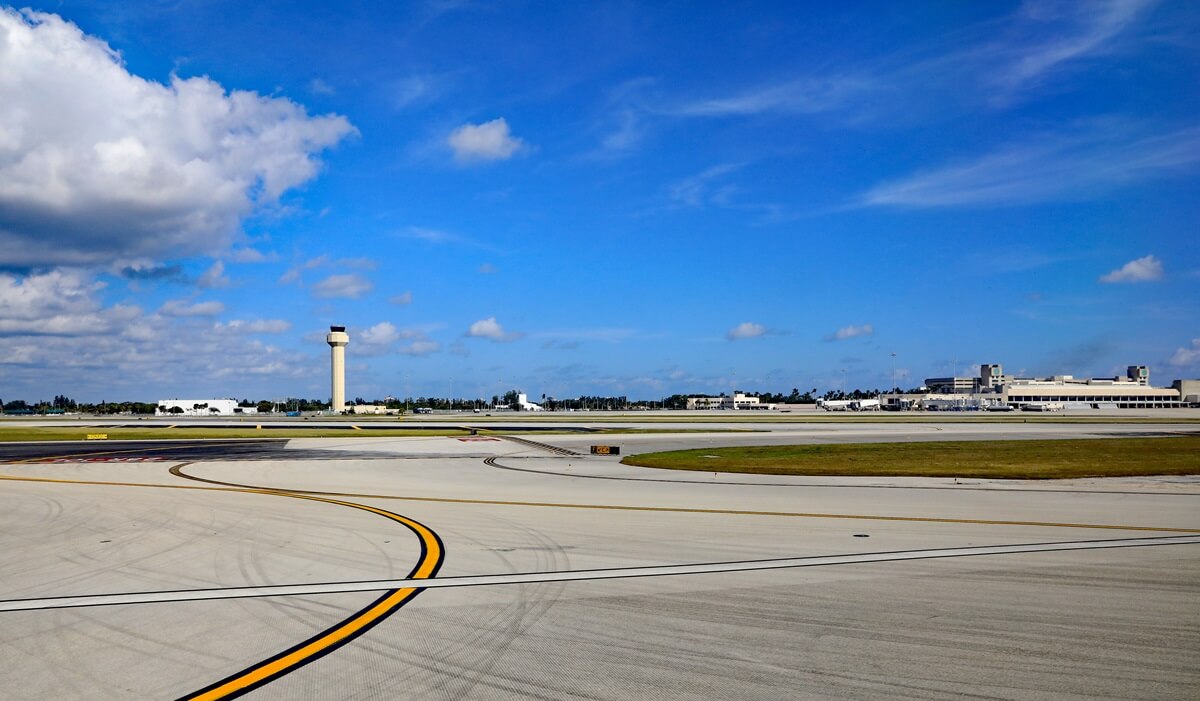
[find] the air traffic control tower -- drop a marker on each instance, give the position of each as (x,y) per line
(338,340)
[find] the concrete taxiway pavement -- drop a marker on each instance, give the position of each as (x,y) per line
(302,569)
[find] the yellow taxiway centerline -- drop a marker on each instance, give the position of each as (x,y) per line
(327,641)
(231,487)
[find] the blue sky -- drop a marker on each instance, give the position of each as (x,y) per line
(602,198)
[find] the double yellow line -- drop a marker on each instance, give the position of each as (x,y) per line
(325,642)
(328,640)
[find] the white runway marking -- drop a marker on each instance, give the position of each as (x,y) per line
(579,575)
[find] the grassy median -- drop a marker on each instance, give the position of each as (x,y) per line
(1032,459)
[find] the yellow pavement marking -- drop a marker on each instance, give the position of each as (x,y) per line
(177,470)
(230,487)
(356,428)
(265,671)
(432,553)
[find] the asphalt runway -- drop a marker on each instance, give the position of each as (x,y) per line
(483,568)
(155,451)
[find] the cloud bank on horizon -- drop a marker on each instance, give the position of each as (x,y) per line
(186,200)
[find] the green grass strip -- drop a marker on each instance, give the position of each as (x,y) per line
(1029,459)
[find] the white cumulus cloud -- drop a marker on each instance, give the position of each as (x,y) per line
(1186,356)
(746,329)
(490,141)
(103,351)
(381,334)
(421,348)
(58,302)
(851,332)
(1144,269)
(382,337)
(98,164)
(490,328)
(349,286)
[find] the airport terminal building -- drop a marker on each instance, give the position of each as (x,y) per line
(993,389)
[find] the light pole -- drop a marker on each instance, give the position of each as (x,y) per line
(893,373)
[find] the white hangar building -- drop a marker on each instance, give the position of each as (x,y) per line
(201,407)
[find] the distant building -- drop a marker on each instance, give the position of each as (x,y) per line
(739,401)
(993,388)
(951,385)
(524,404)
(1189,390)
(201,407)
(370,409)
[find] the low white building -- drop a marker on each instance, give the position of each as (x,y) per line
(201,407)
(525,405)
(370,409)
(739,401)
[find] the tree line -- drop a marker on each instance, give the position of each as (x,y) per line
(64,404)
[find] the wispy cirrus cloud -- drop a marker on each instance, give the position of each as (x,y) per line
(1081,164)
(570,338)
(182,307)
(428,235)
(254,326)
(804,96)
(992,64)
(703,187)
(442,237)
(1051,34)
(1144,269)
(295,273)
(317,86)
